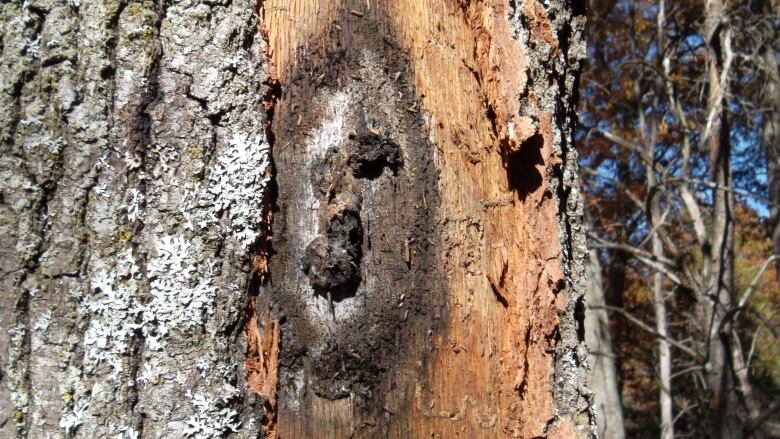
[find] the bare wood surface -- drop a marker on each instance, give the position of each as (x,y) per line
(489,369)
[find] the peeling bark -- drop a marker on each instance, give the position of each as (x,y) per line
(484,209)
(262,363)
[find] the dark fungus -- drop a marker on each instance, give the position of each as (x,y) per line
(332,259)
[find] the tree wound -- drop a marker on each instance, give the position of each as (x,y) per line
(332,260)
(372,154)
(353,268)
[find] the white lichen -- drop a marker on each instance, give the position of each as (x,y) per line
(133,207)
(237,185)
(43,321)
(176,291)
(203,365)
(74,415)
(116,315)
(32,47)
(213,417)
(180,298)
(148,374)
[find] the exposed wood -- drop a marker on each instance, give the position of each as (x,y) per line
(490,346)
(262,356)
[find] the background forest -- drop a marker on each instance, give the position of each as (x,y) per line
(680,161)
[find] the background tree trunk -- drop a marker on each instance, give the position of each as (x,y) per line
(417,240)
(770,132)
(604,373)
(719,268)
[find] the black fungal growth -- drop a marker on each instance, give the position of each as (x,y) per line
(332,260)
(373,153)
(377,230)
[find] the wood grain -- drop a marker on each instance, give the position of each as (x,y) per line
(489,372)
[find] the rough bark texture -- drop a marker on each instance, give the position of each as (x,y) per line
(133,169)
(425,265)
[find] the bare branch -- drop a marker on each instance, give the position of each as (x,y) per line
(754,424)
(715,186)
(658,264)
(633,147)
(752,286)
(601,243)
(647,328)
(695,213)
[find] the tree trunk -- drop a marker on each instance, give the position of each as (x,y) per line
(133,173)
(664,350)
(306,218)
(657,220)
(603,374)
(720,254)
(770,131)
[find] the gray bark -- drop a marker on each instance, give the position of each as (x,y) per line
(133,171)
(719,258)
(603,380)
(659,293)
